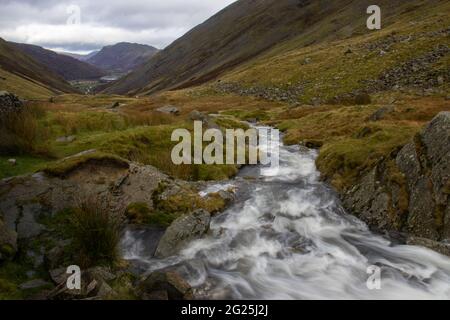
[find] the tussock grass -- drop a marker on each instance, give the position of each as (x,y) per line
(95,234)
(20,132)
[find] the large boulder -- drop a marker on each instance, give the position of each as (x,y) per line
(409,191)
(182,231)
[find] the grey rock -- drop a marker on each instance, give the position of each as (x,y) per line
(182,231)
(164,284)
(28,227)
(197,116)
(419,204)
(12,162)
(169,110)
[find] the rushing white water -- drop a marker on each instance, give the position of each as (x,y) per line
(287,237)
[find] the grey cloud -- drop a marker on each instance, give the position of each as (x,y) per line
(154,22)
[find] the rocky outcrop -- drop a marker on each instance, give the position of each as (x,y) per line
(9,104)
(409,191)
(182,231)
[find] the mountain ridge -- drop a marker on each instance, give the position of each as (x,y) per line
(67,67)
(122,57)
(28,71)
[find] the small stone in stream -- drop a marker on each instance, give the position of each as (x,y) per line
(12,162)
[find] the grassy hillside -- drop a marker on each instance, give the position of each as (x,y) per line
(411,50)
(23,87)
(67,67)
(25,67)
(248,29)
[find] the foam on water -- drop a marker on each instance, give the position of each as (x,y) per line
(289,238)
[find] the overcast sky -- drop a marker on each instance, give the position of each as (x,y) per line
(56,24)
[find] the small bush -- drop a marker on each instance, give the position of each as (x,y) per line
(95,234)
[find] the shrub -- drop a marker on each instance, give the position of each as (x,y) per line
(95,234)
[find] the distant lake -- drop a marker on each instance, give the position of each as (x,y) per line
(110,78)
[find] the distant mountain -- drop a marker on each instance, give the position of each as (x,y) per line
(22,72)
(81,57)
(122,57)
(67,67)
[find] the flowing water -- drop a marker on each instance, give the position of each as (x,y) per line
(287,237)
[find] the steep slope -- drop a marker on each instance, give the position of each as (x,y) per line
(122,57)
(21,65)
(246,29)
(65,66)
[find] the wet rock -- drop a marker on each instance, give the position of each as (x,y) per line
(412,193)
(169,110)
(442,248)
(182,231)
(163,285)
